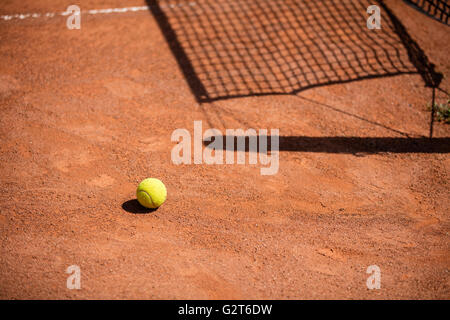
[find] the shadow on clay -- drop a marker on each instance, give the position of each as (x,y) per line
(133,206)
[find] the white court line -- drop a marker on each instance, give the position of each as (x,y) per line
(22,16)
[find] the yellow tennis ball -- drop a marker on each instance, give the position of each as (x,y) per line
(151,193)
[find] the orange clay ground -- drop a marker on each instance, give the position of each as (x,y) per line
(86,114)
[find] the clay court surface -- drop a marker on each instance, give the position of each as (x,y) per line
(86,114)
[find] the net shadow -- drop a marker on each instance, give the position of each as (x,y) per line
(437,9)
(342,145)
(239,48)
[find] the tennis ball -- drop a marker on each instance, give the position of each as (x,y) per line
(151,193)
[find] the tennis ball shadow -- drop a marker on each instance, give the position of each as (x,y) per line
(133,206)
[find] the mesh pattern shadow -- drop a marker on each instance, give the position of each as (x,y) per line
(238,48)
(438,9)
